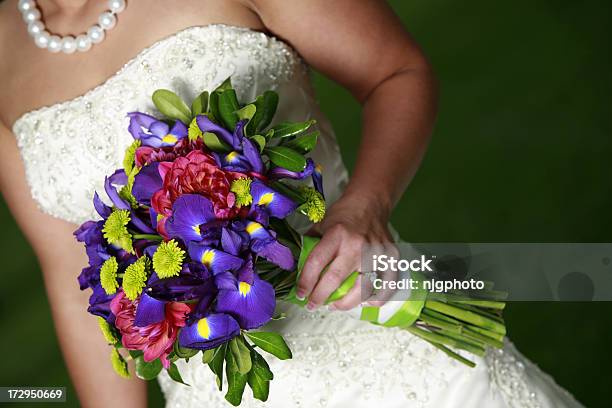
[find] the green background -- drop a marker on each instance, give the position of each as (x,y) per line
(521,153)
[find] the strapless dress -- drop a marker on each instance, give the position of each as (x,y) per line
(69,147)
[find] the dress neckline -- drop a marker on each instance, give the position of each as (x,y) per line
(142,53)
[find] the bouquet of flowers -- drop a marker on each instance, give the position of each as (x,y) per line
(195,250)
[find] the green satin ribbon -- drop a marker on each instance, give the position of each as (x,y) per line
(405,316)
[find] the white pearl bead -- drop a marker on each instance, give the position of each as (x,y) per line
(42,39)
(116,6)
(83,43)
(25,5)
(31,15)
(55,44)
(68,44)
(107,20)
(35,27)
(95,34)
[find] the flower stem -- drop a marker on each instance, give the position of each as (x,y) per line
(452,354)
(467,316)
(150,237)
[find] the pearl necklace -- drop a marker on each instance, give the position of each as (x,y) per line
(68,44)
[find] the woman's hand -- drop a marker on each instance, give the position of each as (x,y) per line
(352,223)
(364,47)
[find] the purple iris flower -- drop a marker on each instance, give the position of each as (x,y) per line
(248,299)
(317,180)
(232,242)
(102,209)
(146,183)
(155,133)
(276,204)
(149,311)
(265,244)
(214,259)
(311,169)
(209,332)
(278,173)
(118,178)
(189,213)
(99,304)
(244,157)
(180,288)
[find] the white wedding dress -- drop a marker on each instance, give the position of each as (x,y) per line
(338,361)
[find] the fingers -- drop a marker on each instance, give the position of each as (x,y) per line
(344,264)
(318,259)
(380,296)
(362,289)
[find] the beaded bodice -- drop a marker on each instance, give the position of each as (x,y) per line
(68,148)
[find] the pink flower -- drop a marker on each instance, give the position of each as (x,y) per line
(196,173)
(155,340)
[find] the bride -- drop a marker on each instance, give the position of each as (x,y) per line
(63,102)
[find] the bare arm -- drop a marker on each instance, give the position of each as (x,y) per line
(362,45)
(61,259)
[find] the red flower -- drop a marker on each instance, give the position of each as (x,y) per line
(155,340)
(196,173)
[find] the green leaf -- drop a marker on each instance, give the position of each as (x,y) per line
(241,354)
(207,355)
(147,371)
(271,342)
(171,105)
(135,353)
(184,352)
(236,382)
(227,84)
(215,144)
(246,113)
(213,108)
(199,104)
(261,367)
(260,387)
(266,105)
(290,191)
(228,105)
(303,144)
(216,365)
(288,129)
(285,157)
(269,134)
(173,372)
(261,142)
(259,377)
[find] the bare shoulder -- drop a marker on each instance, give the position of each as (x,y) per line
(9,20)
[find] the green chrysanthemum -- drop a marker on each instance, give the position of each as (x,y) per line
(314,206)
(119,364)
(168,259)
(242,189)
(108,275)
(126,191)
(194,132)
(116,232)
(130,156)
(106,330)
(135,278)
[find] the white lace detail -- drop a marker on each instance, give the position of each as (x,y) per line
(68,148)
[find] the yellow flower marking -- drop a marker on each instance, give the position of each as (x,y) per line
(170,139)
(266,199)
(253,227)
(244,288)
(204,328)
(208,257)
